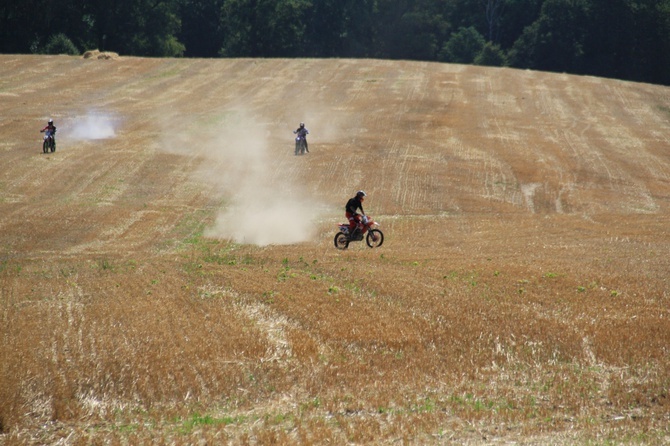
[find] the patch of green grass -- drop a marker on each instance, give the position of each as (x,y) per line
(285,274)
(216,119)
(66,271)
(164,74)
(664,109)
(279,418)
(218,257)
(268,297)
(127,428)
(451,275)
(105,265)
(426,406)
(197,420)
(314,403)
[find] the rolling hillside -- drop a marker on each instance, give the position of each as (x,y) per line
(168,275)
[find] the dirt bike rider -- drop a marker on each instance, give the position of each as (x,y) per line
(302,132)
(350,209)
(51,130)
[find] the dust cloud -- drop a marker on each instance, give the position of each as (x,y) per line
(92,126)
(263,204)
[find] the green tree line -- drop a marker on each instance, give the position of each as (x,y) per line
(626,39)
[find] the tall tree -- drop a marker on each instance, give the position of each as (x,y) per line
(18,25)
(410,29)
(201,27)
(338,28)
(463,46)
(136,27)
(26,26)
(518,14)
(661,70)
(556,40)
(263,28)
(609,35)
(493,10)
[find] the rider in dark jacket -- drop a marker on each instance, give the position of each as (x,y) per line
(350,209)
(302,132)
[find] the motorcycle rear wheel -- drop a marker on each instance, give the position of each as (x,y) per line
(341,240)
(374,238)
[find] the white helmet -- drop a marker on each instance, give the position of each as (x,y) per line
(361,193)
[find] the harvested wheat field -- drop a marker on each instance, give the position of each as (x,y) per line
(168,274)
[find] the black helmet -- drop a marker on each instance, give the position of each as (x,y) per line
(302,125)
(361,193)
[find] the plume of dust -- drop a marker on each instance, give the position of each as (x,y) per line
(93,126)
(262,203)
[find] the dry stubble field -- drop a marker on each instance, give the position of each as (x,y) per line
(168,276)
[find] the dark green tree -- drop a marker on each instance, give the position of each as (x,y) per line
(27,26)
(491,55)
(60,44)
(15,32)
(493,10)
(201,27)
(263,28)
(628,39)
(463,46)
(661,69)
(137,27)
(556,40)
(517,15)
(409,29)
(608,37)
(338,28)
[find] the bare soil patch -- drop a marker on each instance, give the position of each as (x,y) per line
(168,275)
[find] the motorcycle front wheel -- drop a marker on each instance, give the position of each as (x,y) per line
(341,240)
(45,147)
(374,238)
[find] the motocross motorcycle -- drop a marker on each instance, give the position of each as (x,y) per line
(367,228)
(49,144)
(300,145)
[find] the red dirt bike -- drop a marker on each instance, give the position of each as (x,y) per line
(49,144)
(366,229)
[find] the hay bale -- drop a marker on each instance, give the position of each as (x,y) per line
(91,54)
(97,54)
(108,55)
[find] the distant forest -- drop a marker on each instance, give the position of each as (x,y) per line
(624,39)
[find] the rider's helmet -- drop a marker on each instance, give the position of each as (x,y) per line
(361,194)
(51,121)
(302,125)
